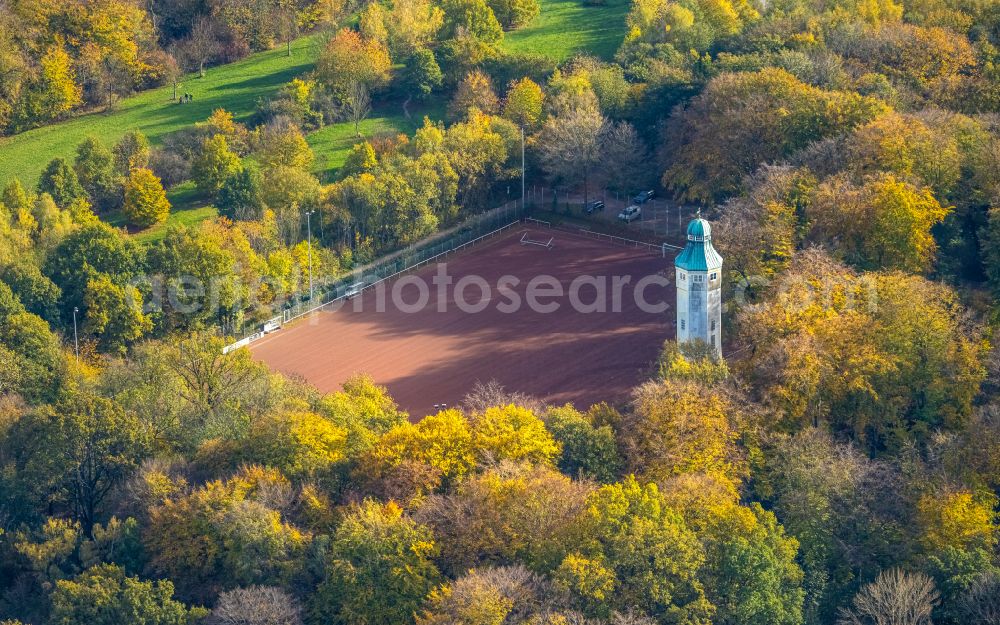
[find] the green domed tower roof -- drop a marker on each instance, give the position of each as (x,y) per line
(699,254)
(699,228)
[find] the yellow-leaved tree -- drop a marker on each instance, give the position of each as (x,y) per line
(523,104)
(145,200)
(885,357)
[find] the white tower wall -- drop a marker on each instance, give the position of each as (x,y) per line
(699,307)
(699,288)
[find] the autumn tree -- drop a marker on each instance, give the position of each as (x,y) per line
(348,59)
(223,391)
(357,104)
(60,181)
(894,598)
(283,144)
(681,427)
(94,166)
(511,513)
(225,534)
(201,45)
(475,91)
(883,224)
(405,27)
(614,93)
(422,74)
(172,72)
(16,198)
(477,152)
(693,361)
(493,595)
(514,14)
(379,568)
(105,595)
(257,605)
(287,23)
(750,574)
(414,24)
(687,24)
(362,159)
(472,18)
(758,231)
(589,448)
(60,91)
(924,59)
(438,449)
(364,409)
(514,433)
(908,148)
(81,449)
(241,195)
(823,490)
(885,357)
(523,104)
(957,519)
(290,192)
(569,146)
(160,383)
(131,152)
(213,164)
(741,121)
(621,144)
(146,202)
(114,314)
(302,445)
(647,550)
(193,271)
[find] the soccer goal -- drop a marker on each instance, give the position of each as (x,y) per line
(527,241)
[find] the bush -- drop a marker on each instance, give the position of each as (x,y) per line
(241,196)
(170,167)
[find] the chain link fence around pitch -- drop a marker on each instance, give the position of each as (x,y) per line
(469,233)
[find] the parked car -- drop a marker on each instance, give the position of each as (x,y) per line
(630,214)
(592,207)
(643,197)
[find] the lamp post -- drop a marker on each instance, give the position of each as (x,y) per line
(76,339)
(309,229)
(522,167)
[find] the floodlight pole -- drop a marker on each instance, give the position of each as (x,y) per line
(309,229)
(522,167)
(76,338)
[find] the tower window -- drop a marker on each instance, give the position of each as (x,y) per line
(713,325)
(683,277)
(713,276)
(697,278)
(682,324)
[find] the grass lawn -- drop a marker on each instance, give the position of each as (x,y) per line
(333,143)
(188,217)
(186,209)
(235,87)
(565,27)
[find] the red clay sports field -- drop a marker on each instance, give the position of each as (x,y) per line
(435,355)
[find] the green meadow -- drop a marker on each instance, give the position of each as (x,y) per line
(567,27)
(333,143)
(563,28)
(235,87)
